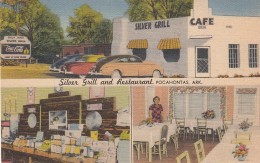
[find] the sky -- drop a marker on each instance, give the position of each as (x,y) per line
(117,8)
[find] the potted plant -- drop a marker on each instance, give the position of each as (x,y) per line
(147,121)
(209,114)
(240,152)
(244,125)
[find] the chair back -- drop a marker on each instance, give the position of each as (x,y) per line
(219,133)
(184,155)
(199,148)
(177,131)
(180,122)
(164,132)
(244,135)
(201,123)
(226,123)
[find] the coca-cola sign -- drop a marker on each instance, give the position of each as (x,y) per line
(16,49)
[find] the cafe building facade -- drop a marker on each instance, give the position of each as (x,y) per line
(199,45)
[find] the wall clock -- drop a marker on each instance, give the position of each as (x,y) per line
(93,120)
(32,120)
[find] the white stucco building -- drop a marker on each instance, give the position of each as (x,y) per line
(200,45)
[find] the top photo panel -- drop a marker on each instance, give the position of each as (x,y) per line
(129,38)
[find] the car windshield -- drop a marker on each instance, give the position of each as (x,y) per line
(122,59)
(80,59)
(134,59)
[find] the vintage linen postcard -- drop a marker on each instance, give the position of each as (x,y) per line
(120,81)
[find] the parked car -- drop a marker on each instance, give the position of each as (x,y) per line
(82,66)
(118,66)
(57,65)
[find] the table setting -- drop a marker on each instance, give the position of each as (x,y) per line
(237,145)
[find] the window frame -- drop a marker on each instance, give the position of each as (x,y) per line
(142,54)
(253,55)
(234,55)
(205,104)
(171,55)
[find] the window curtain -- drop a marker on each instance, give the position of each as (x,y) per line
(196,104)
(179,105)
(213,103)
(246,103)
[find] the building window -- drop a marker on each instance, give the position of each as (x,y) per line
(76,52)
(140,52)
(171,55)
(179,104)
(107,51)
(246,103)
(252,54)
(234,55)
(91,50)
(191,105)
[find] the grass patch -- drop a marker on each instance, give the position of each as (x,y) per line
(31,71)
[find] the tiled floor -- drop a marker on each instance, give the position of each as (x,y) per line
(172,153)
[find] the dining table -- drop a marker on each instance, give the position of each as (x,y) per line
(222,152)
(151,134)
(211,123)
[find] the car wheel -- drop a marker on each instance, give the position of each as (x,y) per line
(116,74)
(156,74)
(82,76)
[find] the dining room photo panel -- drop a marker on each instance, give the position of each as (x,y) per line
(206,124)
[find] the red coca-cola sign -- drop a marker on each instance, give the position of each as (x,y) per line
(16,49)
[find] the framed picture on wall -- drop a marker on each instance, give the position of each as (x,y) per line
(30,95)
(58,120)
(96,92)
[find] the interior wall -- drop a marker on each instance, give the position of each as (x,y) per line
(122,95)
(138,104)
(163,93)
(230,102)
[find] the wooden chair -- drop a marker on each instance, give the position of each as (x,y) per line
(201,128)
(225,124)
(137,146)
(175,138)
(181,123)
(184,155)
(243,135)
(220,134)
(199,148)
(141,148)
(161,145)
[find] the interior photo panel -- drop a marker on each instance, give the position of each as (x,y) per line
(76,124)
(195,122)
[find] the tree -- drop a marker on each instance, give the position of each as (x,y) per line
(43,29)
(83,24)
(103,32)
(10,16)
(157,9)
(40,25)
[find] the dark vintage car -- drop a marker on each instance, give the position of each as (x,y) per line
(70,58)
(118,66)
(82,66)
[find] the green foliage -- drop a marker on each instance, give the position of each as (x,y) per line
(41,26)
(158,9)
(83,24)
(46,35)
(103,32)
